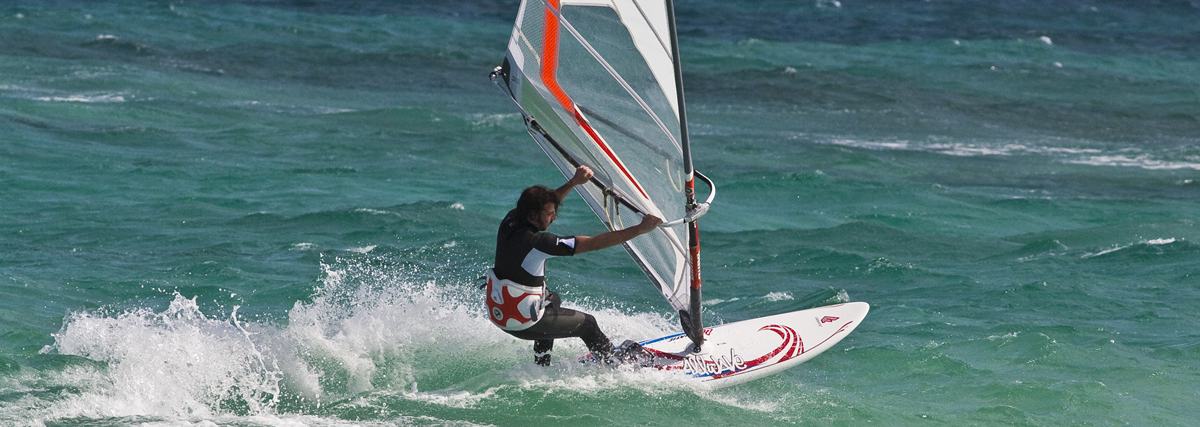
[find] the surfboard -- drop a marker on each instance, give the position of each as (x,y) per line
(738,352)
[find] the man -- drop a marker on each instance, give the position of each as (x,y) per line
(517,300)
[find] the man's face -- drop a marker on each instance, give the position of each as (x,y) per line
(547,215)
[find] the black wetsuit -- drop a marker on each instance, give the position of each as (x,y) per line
(521,254)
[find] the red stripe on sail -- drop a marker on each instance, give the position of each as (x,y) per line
(549,74)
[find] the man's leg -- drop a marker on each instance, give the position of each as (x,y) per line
(593,338)
(558,322)
(542,347)
(541,352)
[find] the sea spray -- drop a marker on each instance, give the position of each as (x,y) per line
(368,330)
(177,362)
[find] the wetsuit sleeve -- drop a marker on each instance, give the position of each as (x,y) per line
(554,245)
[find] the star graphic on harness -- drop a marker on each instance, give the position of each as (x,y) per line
(508,307)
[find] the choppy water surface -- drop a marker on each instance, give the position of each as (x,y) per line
(265,213)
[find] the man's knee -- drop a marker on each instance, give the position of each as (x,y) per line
(589,322)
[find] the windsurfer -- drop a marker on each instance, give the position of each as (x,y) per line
(517,299)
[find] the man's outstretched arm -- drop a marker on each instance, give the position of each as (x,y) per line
(616,237)
(582,175)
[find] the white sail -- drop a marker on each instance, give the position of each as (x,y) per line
(597,82)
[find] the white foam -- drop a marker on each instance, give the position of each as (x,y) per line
(1115,248)
(1046,40)
(105,37)
(303,246)
(180,362)
(1072,155)
(953,149)
(172,363)
(1061,249)
(1143,161)
(969,150)
(374,211)
(354,328)
(268,106)
(86,99)
(973,150)
(451,399)
(778,296)
(364,249)
(842,296)
(715,301)
(872,145)
(1062,150)
(457,206)
(1104,252)
(591,380)
(1005,337)
(320,109)
(370,330)
(494,119)
(732,400)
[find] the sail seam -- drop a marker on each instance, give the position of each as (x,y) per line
(521,35)
(651,25)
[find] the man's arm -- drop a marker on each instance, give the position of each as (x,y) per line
(616,237)
(582,175)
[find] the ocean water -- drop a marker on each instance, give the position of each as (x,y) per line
(274,213)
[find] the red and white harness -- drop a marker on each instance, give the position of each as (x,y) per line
(512,306)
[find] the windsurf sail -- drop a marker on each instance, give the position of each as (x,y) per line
(598,83)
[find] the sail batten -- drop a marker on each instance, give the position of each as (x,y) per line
(598,85)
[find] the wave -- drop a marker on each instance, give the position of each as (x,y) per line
(961,149)
(51,95)
(104,98)
(1032,249)
(779,296)
(409,212)
(369,334)
(1147,247)
(290,109)
(1142,161)
(113,44)
(1128,157)
(176,362)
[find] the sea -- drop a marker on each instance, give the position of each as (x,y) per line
(275,213)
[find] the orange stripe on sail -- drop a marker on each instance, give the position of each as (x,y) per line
(549,74)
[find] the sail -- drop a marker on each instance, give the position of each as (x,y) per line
(597,82)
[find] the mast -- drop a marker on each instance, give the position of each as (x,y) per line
(691,322)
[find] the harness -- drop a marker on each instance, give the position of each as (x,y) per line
(512,306)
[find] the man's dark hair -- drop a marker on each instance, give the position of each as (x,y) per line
(533,199)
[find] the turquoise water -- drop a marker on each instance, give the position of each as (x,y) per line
(266,213)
